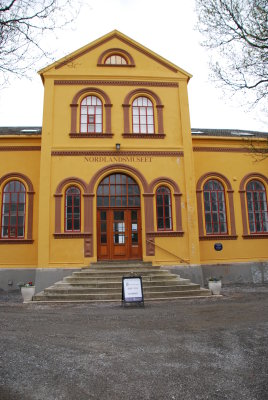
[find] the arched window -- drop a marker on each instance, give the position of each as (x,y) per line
(142,115)
(163,209)
(115,59)
(72,209)
(215,209)
(257,207)
(118,190)
(13,210)
(91,115)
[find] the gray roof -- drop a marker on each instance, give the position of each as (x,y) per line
(37,130)
(228,133)
(20,130)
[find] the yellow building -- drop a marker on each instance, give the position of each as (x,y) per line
(117,173)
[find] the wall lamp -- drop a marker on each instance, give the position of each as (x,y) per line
(117,146)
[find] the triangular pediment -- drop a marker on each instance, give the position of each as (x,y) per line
(87,58)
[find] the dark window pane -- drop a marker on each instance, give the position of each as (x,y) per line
(76,224)
(103,215)
(168,223)
(118,215)
(134,215)
(137,201)
(134,237)
(103,239)
(160,223)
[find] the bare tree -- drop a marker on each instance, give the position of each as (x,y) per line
(23,24)
(236,31)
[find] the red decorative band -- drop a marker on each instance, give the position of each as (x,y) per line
(116,153)
(116,83)
(91,135)
(218,237)
(166,233)
(16,241)
(256,236)
(116,65)
(20,148)
(71,235)
(144,135)
(227,149)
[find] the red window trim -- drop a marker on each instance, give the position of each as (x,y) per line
(116,54)
(94,124)
(65,210)
(16,237)
(127,195)
(164,229)
(262,232)
(146,124)
(223,233)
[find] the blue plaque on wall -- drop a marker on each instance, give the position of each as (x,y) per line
(218,246)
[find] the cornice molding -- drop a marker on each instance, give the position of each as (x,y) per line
(256,236)
(166,233)
(59,82)
(71,235)
(16,241)
(67,153)
(20,148)
(91,135)
(144,135)
(223,149)
(218,237)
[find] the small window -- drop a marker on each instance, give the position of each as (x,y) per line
(13,210)
(163,209)
(257,207)
(142,115)
(215,210)
(72,209)
(115,59)
(91,115)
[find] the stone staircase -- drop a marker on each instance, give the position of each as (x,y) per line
(102,282)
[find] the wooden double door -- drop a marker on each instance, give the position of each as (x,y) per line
(119,234)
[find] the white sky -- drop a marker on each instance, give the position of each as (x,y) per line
(167,28)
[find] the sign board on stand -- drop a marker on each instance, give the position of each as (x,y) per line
(132,291)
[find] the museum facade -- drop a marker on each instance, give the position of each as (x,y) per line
(116,173)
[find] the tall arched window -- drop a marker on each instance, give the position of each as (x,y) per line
(215,209)
(13,210)
(257,207)
(72,210)
(115,59)
(163,209)
(142,115)
(91,115)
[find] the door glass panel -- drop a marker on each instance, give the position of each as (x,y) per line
(103,239)
(119,227)
(118,215)
(134,237)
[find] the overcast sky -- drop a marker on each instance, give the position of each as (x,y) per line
(167,28)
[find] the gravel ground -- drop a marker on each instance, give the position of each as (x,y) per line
(189,349)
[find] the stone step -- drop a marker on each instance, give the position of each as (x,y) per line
(112,278)
(81,290)
(117,284)
(121,264)
(117,296)
(123,272)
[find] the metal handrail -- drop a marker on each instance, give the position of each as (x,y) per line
(162,248)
